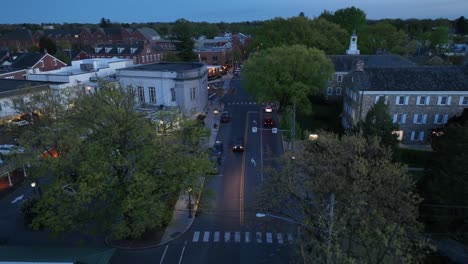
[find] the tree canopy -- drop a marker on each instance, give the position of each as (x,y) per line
(182,31)
(355,204)
(104,166)
(350,18)
(379,123)
(287,75)
(45,43)
(382,37)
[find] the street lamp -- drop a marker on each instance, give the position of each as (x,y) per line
(37,191)
(189,202)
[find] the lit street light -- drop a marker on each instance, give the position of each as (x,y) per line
(37,191)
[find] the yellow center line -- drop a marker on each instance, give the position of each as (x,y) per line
(241,192)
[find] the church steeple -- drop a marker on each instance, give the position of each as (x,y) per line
(353,50)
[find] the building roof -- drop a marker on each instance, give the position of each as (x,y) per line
(8,86)
(167,66)
(19,34)
(61,32)
(423,78)
(126,49)
(149,33)
(26,60)
(344,63)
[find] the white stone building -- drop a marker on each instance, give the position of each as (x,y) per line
(165,84)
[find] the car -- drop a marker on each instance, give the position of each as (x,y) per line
(268,122)
(238,145)
(225,117)
(217,148)
(9,149)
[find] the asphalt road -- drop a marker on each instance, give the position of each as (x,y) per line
(227,230)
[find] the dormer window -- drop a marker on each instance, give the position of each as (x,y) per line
(108,50)
(133,50)
(339,78)
(120,50)
(97,49)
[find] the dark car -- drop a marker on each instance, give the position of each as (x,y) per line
(225,117)
(218,148)
(268,122)
(238,145)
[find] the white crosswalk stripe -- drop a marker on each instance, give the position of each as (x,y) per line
(206,236)
(247,237)
(196,235)
(241,103)
(237,236)
(259,237)
(279,236)
(269,238)
(215,236)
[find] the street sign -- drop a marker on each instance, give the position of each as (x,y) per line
(254,129)
(274,130)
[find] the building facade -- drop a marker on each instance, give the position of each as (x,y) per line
(419,99)
(174,85)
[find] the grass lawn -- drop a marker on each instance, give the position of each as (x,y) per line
(325,116)
(414,158)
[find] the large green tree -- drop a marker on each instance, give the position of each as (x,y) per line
(113,172)
(379,123)
(461,25)
(182,31)
(383,37)
(46,44)
(354,204)
(350,18)
(287,75)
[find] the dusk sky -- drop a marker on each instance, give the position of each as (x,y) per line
(124,11)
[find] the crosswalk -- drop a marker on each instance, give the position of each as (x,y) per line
(241,103)
(241,237)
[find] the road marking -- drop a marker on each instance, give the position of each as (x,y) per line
(237,236)
(279,236)
(19,198)
(241,192)
(206,236)
(290,237)
(182,254)
(227,236)
(164,254)
(259,237)
(216,236)
(269,238)
(254,163)
(196,236)
(247,237)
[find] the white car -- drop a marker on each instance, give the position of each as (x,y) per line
(8,149)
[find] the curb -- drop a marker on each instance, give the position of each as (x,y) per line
(169,240)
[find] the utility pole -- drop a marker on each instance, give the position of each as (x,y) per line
(330,227)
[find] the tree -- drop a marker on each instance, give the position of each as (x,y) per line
(46,44)
(379,123)
(105,22)
(113,173)
(461,26)
(287,75)
(439,36)
(383,37)
(350,18)
(182,32)
(446,183)
(356,205)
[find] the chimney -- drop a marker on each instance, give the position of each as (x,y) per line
(359,65)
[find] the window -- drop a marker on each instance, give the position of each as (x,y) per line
(401,100)
(399,118)
(152,94)
(440,119)
(131,93)
(329,91)
(422,100)
(355,97)
(383,97)
(142,59)
(1,106)
(463,100)
(192,93)
(215,58)
(173,95)
(444,100)
(203,58)
(42,64)
(339,78)
(55,62)
(417,135)
(419,118)
(338,90)
(141,94)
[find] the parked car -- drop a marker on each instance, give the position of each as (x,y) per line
(9,149)
(218,148)
(268,123)
(225,117)
(238,145)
